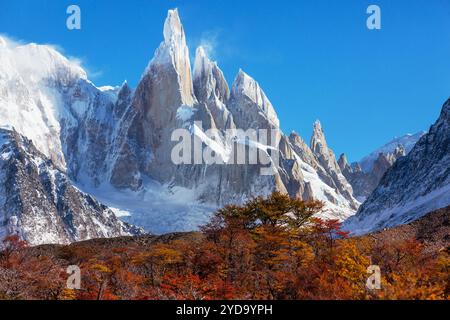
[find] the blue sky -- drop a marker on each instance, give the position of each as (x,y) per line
(314,59)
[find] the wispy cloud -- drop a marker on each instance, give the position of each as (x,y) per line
(93,73)
(209,40)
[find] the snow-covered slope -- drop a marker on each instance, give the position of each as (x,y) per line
(365,175)
(415,185)
(38,201)
(364,183)
(407,141)
(32,78)
(48,99)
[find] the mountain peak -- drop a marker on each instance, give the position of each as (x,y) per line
(173,29)
(173,55)
(201,53)
(202,64)
(209,81)
(318,141)
(174,48)
(246,86)
(320,148)
(317,130)
(343,162)
(407,141)
(124,88)
(34,62)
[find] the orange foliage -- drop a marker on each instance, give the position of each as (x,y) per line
(269,248)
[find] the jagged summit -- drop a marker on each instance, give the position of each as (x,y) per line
(211,89)
(33,62)
(318,142)
(173,55)
(246,88)
(202,64)
(209,80)
(173,49)
(173,29)
(318,136)
(297,140)
(327,159)
(343,162)
(317,125)
(407,141)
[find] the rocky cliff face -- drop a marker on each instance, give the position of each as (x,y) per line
(164,102)
(416,184)
(117,143)
(326,158)
(212,90)
(364,183)
(366,174)
(38,201)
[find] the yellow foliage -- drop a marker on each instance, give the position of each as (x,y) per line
(352,266)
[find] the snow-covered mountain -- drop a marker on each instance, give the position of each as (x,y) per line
(365,175)
(116,142)
(364,183)
(407,142)
(38,201)
(415,185)
(168,97)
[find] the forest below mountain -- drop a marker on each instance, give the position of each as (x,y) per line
(269,248)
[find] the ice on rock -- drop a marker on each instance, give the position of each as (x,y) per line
(245,86)
(51,209)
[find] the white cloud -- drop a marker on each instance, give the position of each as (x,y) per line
(12,46)
(209,42)
(34,61)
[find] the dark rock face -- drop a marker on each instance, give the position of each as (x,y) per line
(416,184)
(364,183)
(432,230)
(39,202)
